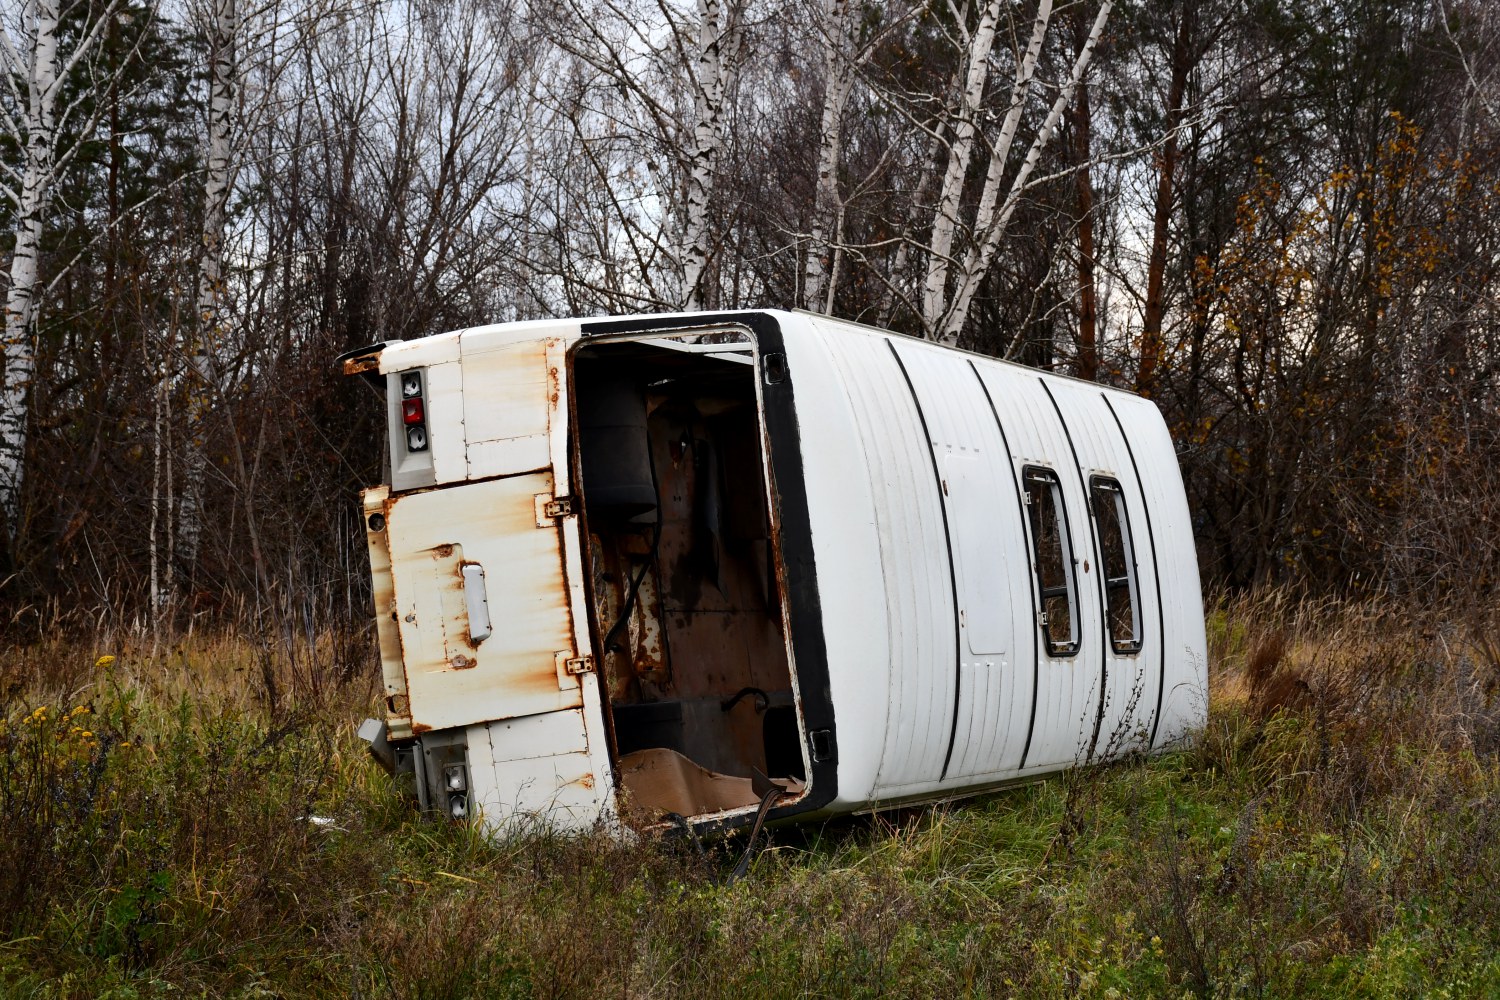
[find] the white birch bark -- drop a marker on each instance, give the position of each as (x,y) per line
(223,34)
(960,155)
(989,224)
(708,146)
(39,130)
(39,61)
(818,287)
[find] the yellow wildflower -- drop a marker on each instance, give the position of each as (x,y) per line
(104,662)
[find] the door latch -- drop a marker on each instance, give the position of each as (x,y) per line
(579,665)
(549,508)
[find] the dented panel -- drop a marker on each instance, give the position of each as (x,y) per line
(451,679)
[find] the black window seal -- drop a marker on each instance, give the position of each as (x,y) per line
(1058,651)
(1133,647)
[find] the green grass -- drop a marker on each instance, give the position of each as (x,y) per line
(1334,835)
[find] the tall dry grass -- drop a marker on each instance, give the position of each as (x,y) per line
(197,817)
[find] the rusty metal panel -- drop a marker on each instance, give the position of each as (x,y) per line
(392,670)
(519,670)
(509,394)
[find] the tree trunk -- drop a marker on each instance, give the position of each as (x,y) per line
(20,301)
(207,317)
(945,219)
(838,75)
(990,225)
(1088,349)
(708,144)
(1151,339)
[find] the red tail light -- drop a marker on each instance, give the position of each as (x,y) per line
(411,411)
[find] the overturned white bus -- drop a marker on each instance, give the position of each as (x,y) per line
(684,569)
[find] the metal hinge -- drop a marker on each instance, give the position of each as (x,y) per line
(579,665)
(549,509)
(1041,619)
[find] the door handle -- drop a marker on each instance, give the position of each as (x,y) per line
(477,602)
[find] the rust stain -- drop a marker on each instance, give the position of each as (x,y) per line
(491,525)
(418,728)
(554,387)
(587,781)
(357,366)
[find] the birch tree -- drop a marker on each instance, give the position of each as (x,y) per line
(838,82)
(222,29)
(710,84)
(652,56)
(954,272)
(846,49)
(36,64)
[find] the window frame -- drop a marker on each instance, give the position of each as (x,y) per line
(1042,474)
(1100,488)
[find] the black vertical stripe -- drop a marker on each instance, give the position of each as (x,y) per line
(937,478)
(1010,460)
(1088,514)
(1161,615)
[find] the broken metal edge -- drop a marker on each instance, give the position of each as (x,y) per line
(789,488)
(364,361)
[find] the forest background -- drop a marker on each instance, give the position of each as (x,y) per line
(1276,220)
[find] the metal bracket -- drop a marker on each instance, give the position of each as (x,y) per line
(1042,619)
(579,665)
(549,508)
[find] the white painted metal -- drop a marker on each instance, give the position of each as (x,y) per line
(911,459)
(985,522)
(908,533)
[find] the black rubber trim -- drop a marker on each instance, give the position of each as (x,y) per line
(789,489)
(1036,652)
(1161,614)
(1096,484)
(937,480)
(1083,484)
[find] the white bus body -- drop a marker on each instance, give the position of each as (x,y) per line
(673,569)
